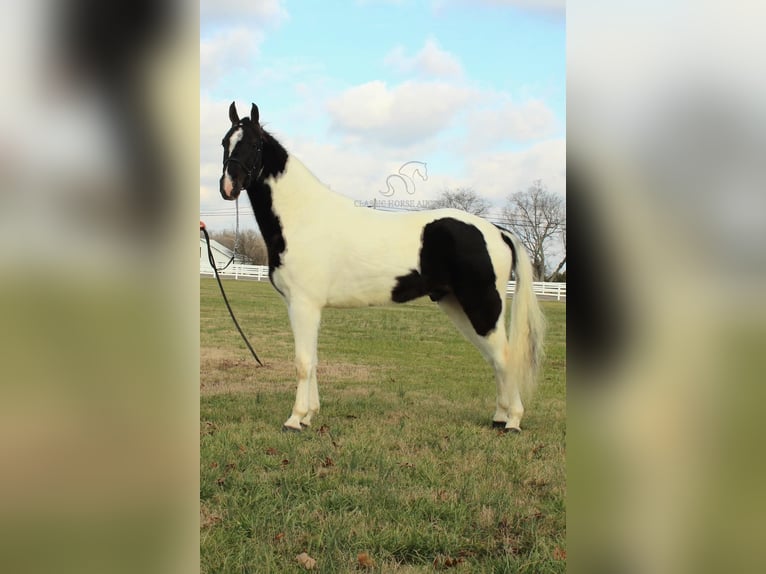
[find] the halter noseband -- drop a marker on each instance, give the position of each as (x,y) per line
(247,171)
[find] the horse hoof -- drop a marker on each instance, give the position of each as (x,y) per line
(286,428)
(498,424)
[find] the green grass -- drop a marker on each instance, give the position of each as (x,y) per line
(401,462)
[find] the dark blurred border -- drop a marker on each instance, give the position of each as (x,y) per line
(667,272)
(98,287)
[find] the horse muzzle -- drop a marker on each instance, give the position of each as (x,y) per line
(229,188)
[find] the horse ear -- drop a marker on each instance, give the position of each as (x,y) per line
(254,113)
(233,116)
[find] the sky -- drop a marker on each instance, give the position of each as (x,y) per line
(356,89)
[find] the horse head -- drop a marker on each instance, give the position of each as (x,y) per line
(242,153)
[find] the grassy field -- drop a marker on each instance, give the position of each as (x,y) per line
(400,472)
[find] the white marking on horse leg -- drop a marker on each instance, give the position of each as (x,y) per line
(304,319)
(516,408)
(509,406)
(313,396)
(497,345)
(503,405)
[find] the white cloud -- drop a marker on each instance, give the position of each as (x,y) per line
(510,122)
(355,173)
(497,175)
(260,13)
(226,51)
(231,34)
(546,7)
(213,121)
(205,194)
(402,115)
(430,62)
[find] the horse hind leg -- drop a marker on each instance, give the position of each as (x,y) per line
(304,319)
(509,409)
(495,349)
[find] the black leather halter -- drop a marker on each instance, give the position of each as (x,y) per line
(247,171)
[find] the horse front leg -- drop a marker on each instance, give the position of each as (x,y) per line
(304,319)
(313,395)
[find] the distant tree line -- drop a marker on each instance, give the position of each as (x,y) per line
(248,246)
(464,198)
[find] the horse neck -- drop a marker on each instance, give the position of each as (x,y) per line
(299,189)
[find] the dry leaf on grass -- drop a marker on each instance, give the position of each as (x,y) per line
(363,560)
(559,554)
(442,562)
(306,561)
(208,518)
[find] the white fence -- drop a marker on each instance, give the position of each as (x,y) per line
(557,291)
(238,271)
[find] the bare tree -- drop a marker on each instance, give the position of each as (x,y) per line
(557,274)
(250,247)
(537,216)
(464,198)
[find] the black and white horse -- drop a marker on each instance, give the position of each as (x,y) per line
(325,252)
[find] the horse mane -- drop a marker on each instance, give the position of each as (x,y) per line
(274,156)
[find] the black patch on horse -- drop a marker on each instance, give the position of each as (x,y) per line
(268,222)
(260,194)
(408,287)
(454,259)
(412,286)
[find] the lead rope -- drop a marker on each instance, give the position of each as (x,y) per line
(236,229)
(211,260)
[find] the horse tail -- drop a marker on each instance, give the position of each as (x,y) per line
(526,328)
